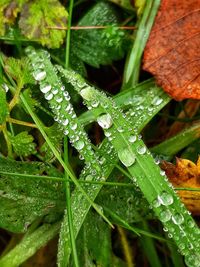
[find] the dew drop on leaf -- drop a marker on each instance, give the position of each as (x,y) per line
(178,218)
(165,215)
(39,76)
(48,96)
(165,198)
(141,150)
(105,121)
(126,157)
(45,89)
(132,138)
(87,93)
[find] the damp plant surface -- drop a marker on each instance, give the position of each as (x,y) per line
(98,164)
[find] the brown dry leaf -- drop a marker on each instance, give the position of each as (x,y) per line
(172,53)
(185,174)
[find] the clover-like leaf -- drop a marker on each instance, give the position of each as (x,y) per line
(23,144)
(36,18)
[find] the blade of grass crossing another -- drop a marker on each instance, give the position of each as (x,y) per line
(134,155)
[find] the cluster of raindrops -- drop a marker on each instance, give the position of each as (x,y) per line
(174,220)
(59,101)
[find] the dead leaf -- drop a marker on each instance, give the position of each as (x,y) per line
(172,53)
(185,174)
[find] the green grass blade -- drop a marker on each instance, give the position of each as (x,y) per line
(173,145)
(132,66)
(134,155)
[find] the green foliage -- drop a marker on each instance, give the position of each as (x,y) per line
(118,178)
(37,16)
(19,70)
(94,242)
(56,138)
(4,111)
(23,199)
(112,42)
(23,144)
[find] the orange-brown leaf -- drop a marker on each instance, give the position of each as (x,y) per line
(172,53)
(185,174)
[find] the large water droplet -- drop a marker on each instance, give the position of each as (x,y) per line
(141,150)
(126,157)
(178,218)
(87,93)
(132,138)
(165,198)
(80,145)
(39,76)
(48,96)
(157,101)
(165,215)
(105,121)
(65,122)
(45,89)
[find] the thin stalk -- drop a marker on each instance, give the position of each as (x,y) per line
(68,193)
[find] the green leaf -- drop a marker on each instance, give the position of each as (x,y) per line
(97,46)
(23,199)
(37,16)
(19,70)
(140,4)
(94,242)
(29,245)
(23,144)
(56,138)
(4,111)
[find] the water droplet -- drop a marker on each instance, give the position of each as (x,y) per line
(39,76)
(141,150)
(132,138)
(126,157)
(74,126)
(5,87)
(65,122)
(178,218)
(45,89)
(87,93)
(89,177)
(157,101)
(59,99)
(105,121)
(165,215)
(190,223)
(165,198)
(48,96)
(80,145)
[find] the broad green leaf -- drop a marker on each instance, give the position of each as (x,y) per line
(23,144)
(4,111)
(37,16)
(94,242)
(96,46)
(23,199)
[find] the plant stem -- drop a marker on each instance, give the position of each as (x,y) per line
(68,193)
